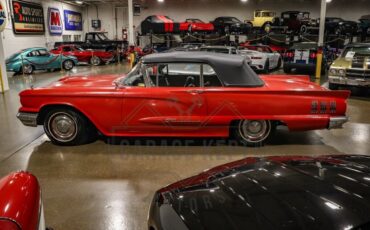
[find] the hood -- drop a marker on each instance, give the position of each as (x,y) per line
(326,192)
(342,62)
(84,81)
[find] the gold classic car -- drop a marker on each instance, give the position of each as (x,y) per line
(352,67)
(262,19)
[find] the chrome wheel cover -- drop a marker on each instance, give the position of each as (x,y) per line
(62,127)
(27,69)
(95,60)
(68,65)
(254,130)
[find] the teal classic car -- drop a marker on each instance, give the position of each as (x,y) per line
(28,60)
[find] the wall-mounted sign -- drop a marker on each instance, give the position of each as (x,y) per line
(2,17)
(28,18)
(137,9)
(72,20)
(96,23)
(55,23)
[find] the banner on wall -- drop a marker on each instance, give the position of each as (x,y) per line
(2,17)
(72,20)
(55,23)
(28,18)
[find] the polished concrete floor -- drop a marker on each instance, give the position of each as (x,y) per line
(102,186)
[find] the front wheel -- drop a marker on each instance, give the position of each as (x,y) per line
(68,65)
(252,132)
(266,68)
(67,127)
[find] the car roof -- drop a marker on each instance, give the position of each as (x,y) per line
(281,192)
(233,70)
(358,44)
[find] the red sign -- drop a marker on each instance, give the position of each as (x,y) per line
(55,22)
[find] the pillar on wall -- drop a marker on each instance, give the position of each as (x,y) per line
(131,39)
(4,79)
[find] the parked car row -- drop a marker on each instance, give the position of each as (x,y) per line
(298,22)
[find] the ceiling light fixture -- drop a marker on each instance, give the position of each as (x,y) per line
(328,1)
(244,0)
(79,2)
(160,0)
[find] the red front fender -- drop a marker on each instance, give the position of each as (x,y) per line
(20,204)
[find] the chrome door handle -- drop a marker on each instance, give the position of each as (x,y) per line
(195,91)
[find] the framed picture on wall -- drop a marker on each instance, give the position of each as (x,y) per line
(27,18)
(137,9)
(72,20)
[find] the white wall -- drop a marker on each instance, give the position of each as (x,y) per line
(13,43)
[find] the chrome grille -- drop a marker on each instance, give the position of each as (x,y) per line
(358,73)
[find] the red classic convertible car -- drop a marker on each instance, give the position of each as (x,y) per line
(20,203)
(94,57)
(196,25)
(181,94)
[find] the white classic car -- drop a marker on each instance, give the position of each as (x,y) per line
(262,57)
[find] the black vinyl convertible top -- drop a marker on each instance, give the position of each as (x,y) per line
(233,70)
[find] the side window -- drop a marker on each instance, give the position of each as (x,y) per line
(258,14)
(67,49)
(175,74)
(44,53)
(34,53)
(89,37)
(210,77)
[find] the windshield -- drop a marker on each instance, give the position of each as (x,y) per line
(134,77)
(232,20)
(356,51)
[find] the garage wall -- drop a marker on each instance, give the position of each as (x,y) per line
(13,43)
(208,10)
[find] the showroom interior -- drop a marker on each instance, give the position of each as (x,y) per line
(184,114)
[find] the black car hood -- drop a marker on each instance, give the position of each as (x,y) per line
(276,193)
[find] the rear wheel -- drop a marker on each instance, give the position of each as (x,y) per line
(95,60)
(67,127)
(27,69)
(252,132)
(68,64)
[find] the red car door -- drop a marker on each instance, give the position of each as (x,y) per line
(165,100)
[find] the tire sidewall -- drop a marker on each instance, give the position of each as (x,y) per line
(237,135)
(83,128)
(64,64)
(92,61)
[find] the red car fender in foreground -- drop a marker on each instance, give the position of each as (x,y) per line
(20,202)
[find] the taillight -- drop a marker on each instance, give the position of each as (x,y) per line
(289,54)
(313,55)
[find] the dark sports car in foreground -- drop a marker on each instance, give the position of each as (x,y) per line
(324,192)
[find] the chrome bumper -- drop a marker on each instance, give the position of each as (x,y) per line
(349,81)
(28,119)
(337,122)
